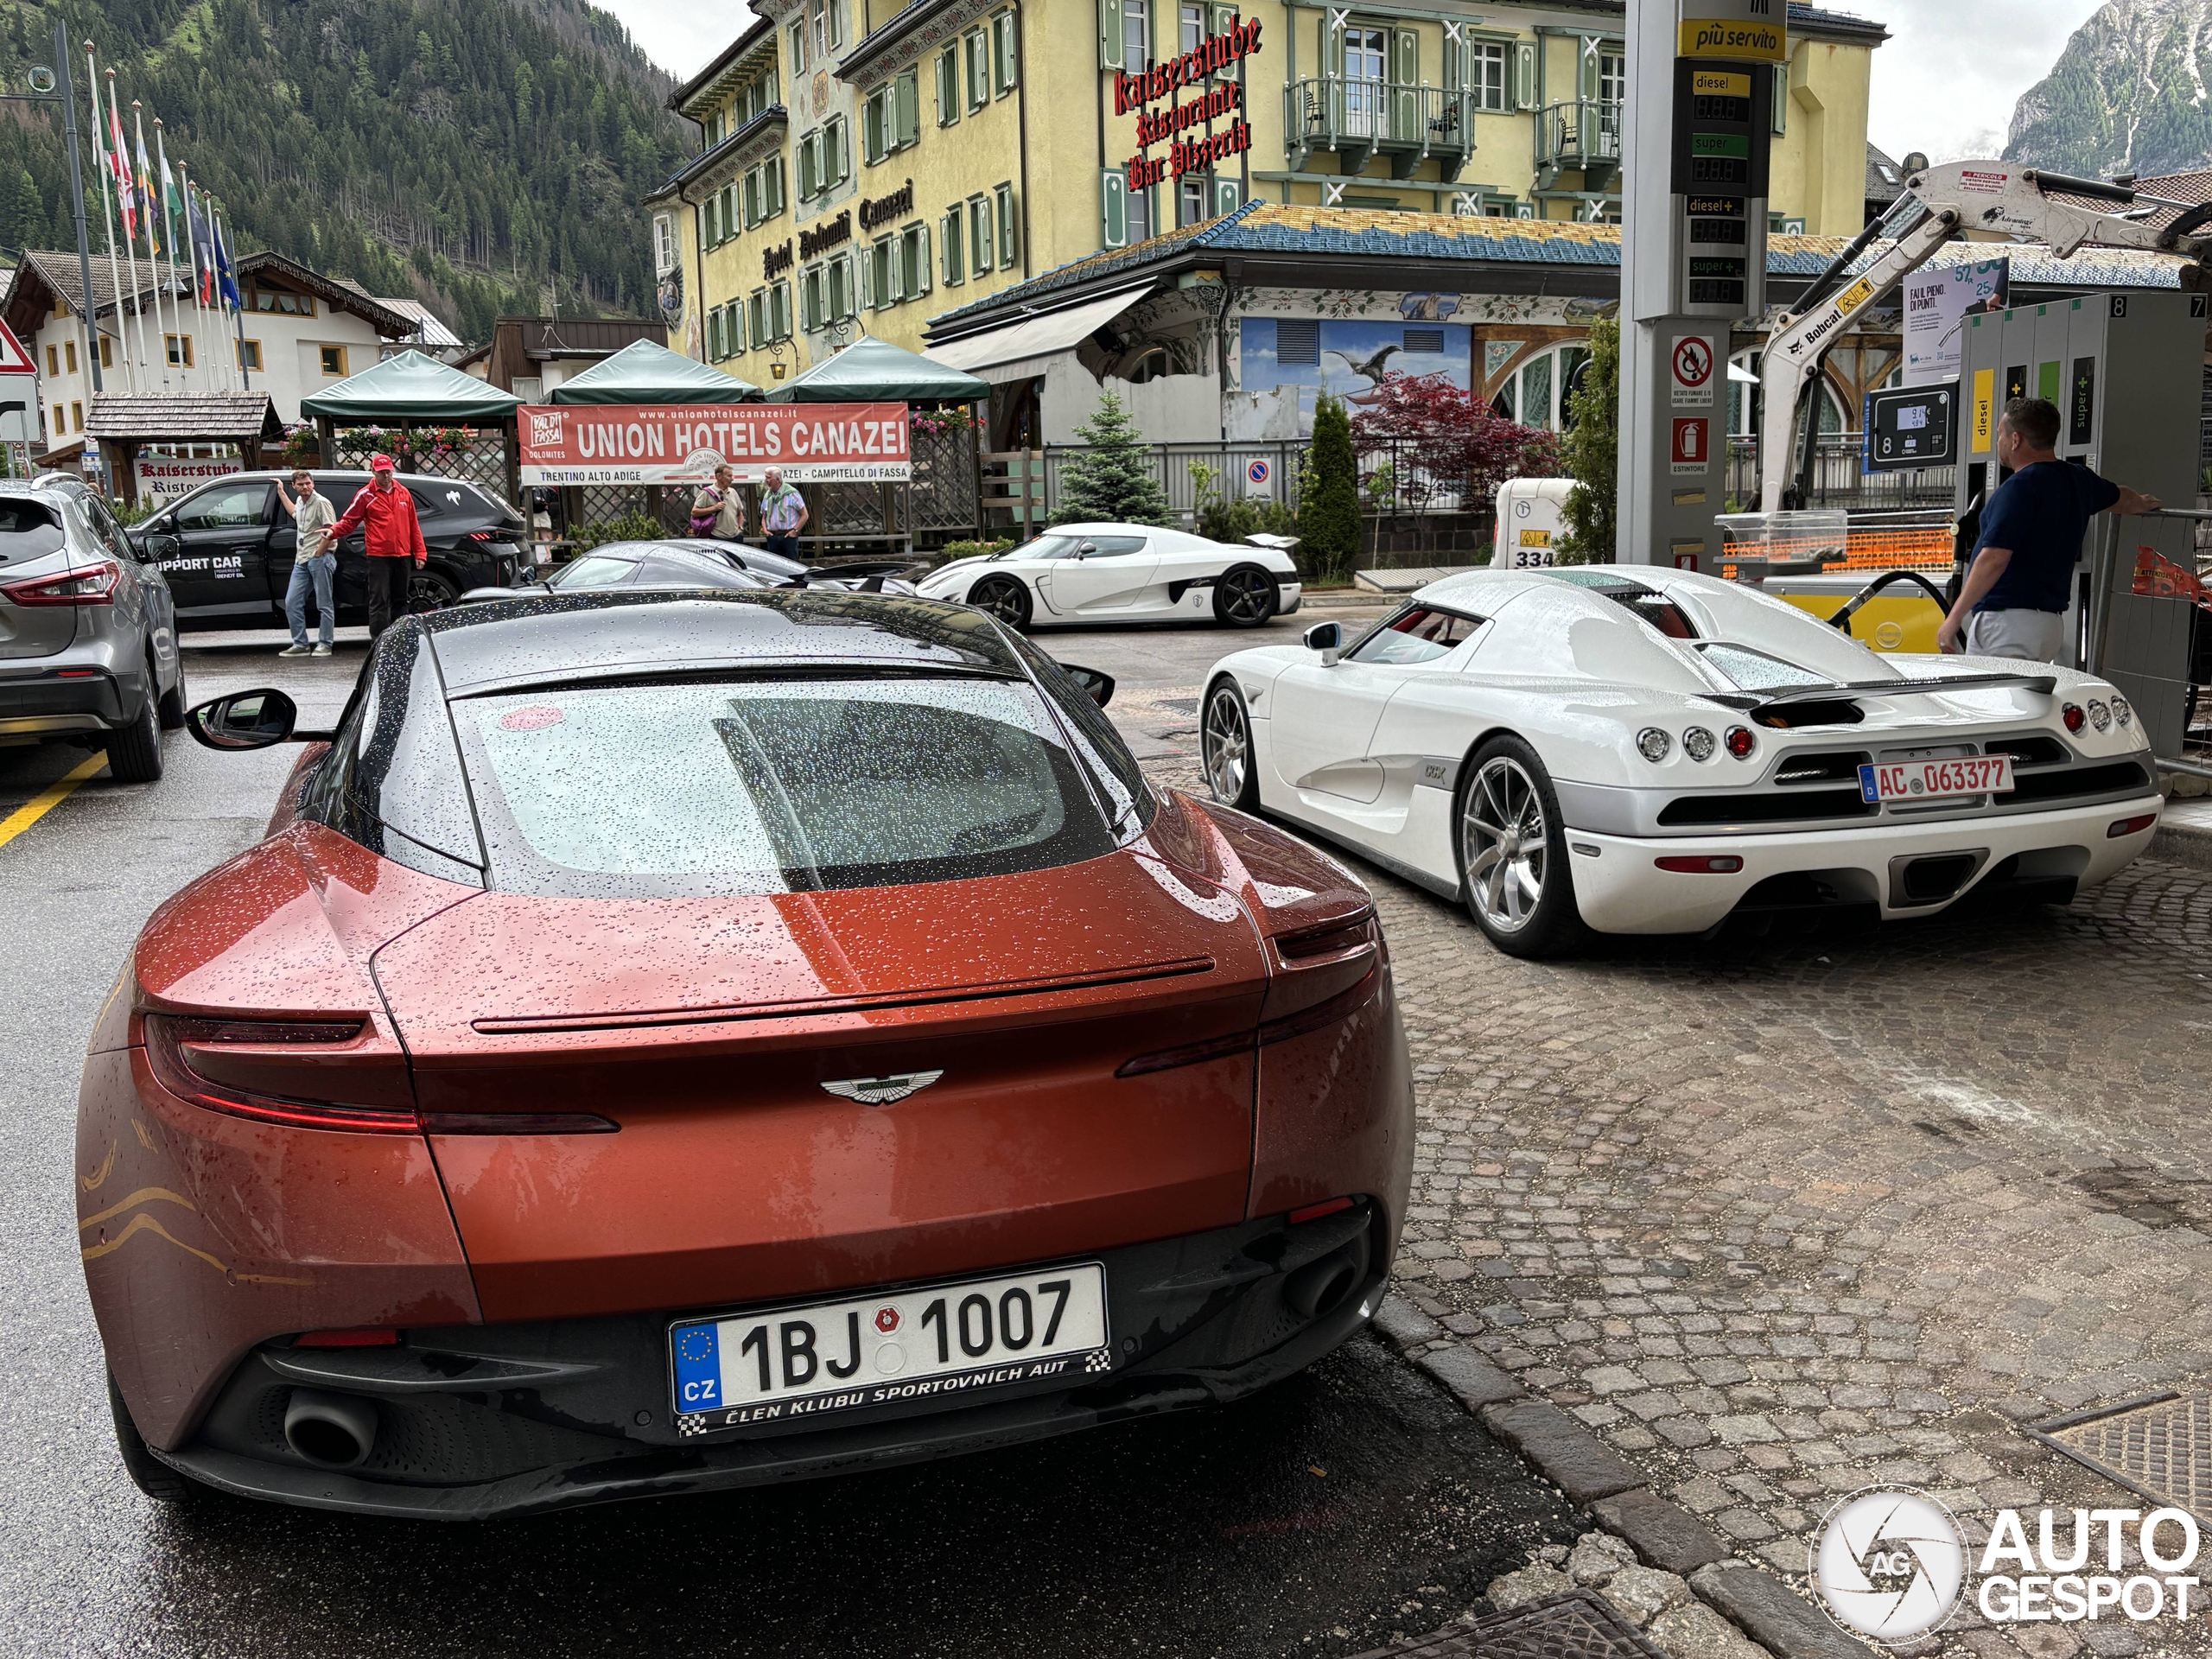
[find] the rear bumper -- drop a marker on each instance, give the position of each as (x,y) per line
(1619,887)
(491,1421)
(41,704)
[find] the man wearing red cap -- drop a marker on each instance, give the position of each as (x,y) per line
(394,536)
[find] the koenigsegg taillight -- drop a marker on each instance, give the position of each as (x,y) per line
(84,584)
(2072,714)
(1741,742)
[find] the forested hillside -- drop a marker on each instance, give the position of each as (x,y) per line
(466,151)
(2126,94)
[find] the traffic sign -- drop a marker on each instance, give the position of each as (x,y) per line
(13,359)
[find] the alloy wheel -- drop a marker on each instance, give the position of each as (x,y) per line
(1247,596)
(1225,747)
(1002,599)
(1504,844)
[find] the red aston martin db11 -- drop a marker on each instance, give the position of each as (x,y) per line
(675,1041)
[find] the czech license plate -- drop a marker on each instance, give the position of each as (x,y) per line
(1925,780)
(934,1343)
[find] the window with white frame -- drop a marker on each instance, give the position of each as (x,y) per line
(950,248)
(839,295)
(1009,241)
(1486,73)
(664,244)
(797,34)
(1136,34)
(978,48)
(1194,25)
(914,261)
(1191,199)
(812,297)
(979,236)
(1536,392)
(947,86)
(1006,61)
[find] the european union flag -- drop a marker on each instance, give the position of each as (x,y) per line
(698,1367)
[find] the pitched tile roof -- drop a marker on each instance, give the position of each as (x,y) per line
(1391,236)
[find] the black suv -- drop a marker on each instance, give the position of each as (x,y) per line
(226,548)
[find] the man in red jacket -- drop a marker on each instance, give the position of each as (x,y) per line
(395,538)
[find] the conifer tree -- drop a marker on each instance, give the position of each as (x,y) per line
(1328,496)
(1117,482)
(1591,453)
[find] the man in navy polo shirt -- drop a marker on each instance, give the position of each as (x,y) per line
(2013,602)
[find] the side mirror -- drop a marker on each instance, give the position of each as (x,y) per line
(244,720)
(1327,638)
(1099,688)
(1086,549)
(160,544)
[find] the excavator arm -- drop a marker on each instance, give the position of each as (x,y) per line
(1941,203)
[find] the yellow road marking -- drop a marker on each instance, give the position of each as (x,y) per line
(46,799)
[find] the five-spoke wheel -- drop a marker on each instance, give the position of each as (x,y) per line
(1244,597)
(1003,597)
(1512,854)
(1225,748)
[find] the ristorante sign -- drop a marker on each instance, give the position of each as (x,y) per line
(655,444)
(1222,101)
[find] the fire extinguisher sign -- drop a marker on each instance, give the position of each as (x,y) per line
(1691,453)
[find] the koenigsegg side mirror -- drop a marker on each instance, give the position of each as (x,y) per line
(1086,549)
(248,720)
(1098,687)
(1328,639)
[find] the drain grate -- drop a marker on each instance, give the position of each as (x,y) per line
(2160,1448)
(1577,1625)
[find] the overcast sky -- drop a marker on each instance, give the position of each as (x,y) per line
(1945,82)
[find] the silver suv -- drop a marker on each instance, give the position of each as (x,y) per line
(87,632)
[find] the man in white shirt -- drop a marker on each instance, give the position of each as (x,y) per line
(315,564)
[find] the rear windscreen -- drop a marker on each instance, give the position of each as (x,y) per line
(773,785)
(29,530)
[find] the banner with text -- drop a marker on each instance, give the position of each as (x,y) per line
(679,443)
(1936,305)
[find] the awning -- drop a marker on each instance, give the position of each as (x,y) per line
(645,371)
(1038,336)
(411,387)
(872,371)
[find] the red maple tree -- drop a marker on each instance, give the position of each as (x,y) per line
(1444,439)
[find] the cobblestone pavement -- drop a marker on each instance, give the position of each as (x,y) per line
(1783,1218)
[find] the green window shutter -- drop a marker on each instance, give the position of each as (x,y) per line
(1780,120)
(907,126)
(711,216)
(1524,75)
(1405,98)
(1114,201)
(775,186)
(1586,81)
(803,166)
(948,99)
(871,127)
(953,265)
(781,294)
(1109,35)
(979,69)
(979,236)
(1006,246)
(1227,197)
(732,208)
(736,327)
(922,268)
(713,334)
(864,278)
(760,320)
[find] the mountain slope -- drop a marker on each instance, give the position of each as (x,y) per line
(469,152)
(2126,95)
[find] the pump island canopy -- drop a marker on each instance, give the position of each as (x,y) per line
(645,371)
(872,371)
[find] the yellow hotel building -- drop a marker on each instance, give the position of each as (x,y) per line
(865,167)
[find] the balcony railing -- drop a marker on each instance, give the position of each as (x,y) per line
(1362,119)
(1583,134)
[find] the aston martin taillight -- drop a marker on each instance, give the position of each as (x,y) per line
(1323,975)
(203,1061)
(86,584)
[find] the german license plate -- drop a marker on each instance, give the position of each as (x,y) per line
(1927,780)
(934,1343)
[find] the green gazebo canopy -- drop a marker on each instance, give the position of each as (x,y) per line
(872,371)
(646,372)
(411,387)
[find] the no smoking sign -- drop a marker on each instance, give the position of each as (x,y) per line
(1692,373)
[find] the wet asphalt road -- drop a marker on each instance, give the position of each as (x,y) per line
(1322,1517)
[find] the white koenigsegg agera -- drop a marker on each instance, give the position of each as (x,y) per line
(1628,749)
(1124,573)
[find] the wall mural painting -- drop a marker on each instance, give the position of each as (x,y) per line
(1285,364)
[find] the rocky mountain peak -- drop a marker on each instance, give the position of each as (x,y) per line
(2126,95)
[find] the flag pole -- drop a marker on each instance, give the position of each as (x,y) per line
(227,289)
(145,181)
(107,209)
(192,241)
(122,164)
(169,234)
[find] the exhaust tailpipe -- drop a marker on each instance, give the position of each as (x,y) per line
(332,1431)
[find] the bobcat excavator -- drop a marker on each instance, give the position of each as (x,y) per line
(2024,203)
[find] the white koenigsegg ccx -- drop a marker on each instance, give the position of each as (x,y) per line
(1635,750)
(1124,573)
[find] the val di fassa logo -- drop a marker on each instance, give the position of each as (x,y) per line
(1893,1566)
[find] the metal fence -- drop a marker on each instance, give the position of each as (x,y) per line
(1839,480)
